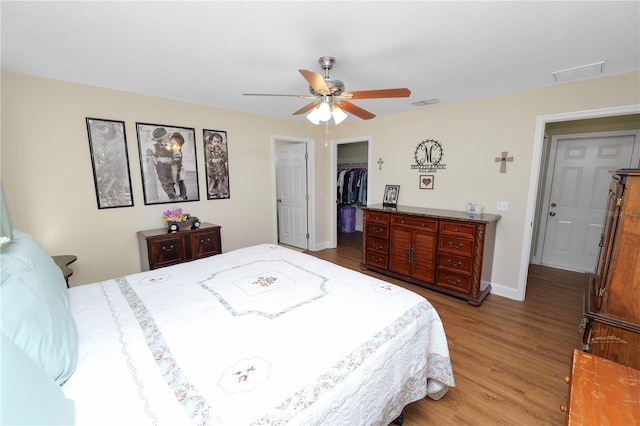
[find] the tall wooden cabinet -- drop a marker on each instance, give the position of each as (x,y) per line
(443,250)
(612,293)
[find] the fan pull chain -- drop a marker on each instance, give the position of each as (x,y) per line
(326,133)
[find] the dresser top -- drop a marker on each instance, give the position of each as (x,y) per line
(437,213)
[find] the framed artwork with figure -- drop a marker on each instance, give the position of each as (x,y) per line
(390,198)
(216,157)
(110,161)
(168,163)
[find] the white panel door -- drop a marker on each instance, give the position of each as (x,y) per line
(577,202)
(291,177)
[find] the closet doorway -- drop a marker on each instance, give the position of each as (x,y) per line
(350,168)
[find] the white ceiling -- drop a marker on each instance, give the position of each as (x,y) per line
(212,52)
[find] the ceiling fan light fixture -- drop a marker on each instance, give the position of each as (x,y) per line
(324,111)
(338,115)
(313,116)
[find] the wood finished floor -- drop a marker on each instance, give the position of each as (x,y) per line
(509,358)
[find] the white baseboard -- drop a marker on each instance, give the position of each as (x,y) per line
(508,292)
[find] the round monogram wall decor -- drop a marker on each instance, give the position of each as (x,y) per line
(428,155)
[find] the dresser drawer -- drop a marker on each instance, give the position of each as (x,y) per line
(166,251)
(457,229)
(377,259)
(415,222)
(377,217)
(377,245)
(455,263)
(205,243)
(378,230)
(453,281)
(455,245)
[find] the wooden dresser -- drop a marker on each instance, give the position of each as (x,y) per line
(602,392)
(612,295)
(159,248)
(443,250)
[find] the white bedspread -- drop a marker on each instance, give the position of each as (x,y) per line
(258,336)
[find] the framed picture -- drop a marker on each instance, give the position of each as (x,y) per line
(391,193)
(216,158)
(426,181)
(168,163)
(110,161)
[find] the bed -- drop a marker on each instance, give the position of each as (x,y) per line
(262,335)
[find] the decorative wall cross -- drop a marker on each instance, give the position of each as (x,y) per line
(503,160)
(380,163)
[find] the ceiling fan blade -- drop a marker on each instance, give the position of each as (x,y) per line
(402,92)
(316,81)
(276,94)
(355,110)
(306,108)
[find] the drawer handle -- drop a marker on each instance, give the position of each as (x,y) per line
(170,248)
(377,247)
(423,224)
(450,281)
(207,241)
(455,246)
(378,230)
(458,263)
(377,259)
(456,229)
(402,221)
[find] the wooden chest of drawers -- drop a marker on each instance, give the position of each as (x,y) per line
(159,248)
(442,250)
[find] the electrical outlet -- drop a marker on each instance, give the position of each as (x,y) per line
(502,206)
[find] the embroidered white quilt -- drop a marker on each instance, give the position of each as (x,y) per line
(258,336)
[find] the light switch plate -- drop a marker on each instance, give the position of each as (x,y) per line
(502,206)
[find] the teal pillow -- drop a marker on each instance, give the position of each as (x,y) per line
(29,396)
(35,307)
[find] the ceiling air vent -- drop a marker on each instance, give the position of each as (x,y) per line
(579,73)
(424,102)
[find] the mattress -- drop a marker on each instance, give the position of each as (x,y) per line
(262,335)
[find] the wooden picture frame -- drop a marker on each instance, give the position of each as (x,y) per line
(168,163)
(110,163)
(216,159)
(426,181)
(391,193)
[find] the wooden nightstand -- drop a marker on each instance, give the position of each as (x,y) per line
(63,262)
(158,248)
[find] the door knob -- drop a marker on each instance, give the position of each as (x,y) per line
(553,204)
(279,200)
(552,214)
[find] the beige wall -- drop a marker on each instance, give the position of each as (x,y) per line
(48,179)
(472,134)
(48,182)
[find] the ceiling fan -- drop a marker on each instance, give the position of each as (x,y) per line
(330,99)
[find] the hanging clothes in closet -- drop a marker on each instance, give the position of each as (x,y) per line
(352,185)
